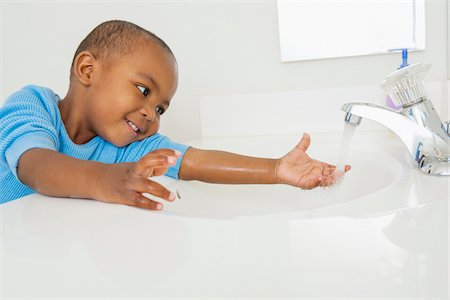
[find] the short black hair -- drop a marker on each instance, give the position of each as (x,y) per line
(116,37)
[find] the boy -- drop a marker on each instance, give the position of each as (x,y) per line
(101,142)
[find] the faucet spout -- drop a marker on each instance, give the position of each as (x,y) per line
(417,125)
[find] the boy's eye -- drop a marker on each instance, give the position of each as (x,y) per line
(144,91)
(160,110)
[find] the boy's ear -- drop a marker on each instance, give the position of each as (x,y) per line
(83,67)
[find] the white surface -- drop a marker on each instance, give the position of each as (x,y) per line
(222,47)
(294,112)
(383,234)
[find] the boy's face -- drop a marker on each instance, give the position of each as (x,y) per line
(128,95)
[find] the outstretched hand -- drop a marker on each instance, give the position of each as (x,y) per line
(296,168)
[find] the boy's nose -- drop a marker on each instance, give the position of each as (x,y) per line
(148,113)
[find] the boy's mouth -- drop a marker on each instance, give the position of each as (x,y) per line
(133,127)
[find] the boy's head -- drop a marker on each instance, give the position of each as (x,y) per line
(123,78)
(112,39)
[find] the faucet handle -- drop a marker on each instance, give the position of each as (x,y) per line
(406,86)
(446,127)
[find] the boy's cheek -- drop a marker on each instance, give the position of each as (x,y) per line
(153,129)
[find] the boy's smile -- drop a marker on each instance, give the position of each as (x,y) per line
(133,128)
(122,98)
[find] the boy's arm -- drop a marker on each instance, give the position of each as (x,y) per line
(295,168)
(225,167)
(55,174)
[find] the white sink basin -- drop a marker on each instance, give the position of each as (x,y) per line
(383,233)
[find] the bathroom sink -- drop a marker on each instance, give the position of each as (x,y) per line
(372,171)
(381,233)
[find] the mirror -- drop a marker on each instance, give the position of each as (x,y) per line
(338,28)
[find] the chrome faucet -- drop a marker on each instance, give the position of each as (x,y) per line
(416,122)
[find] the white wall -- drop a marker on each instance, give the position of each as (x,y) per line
(222,48)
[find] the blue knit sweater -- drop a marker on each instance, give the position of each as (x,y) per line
(30,118)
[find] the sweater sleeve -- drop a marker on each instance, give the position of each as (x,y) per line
(135,151)
(27,120)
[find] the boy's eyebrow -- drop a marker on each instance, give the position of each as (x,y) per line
(149,78)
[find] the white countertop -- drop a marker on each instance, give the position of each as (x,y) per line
(382,233)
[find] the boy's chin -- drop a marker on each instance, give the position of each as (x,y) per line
(122,143)
(119,143)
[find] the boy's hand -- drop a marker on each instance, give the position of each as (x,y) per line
(298,169)
(125,183)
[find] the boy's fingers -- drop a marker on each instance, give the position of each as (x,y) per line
(310,182)
(327,171)
(165,151)
(147,171)
(333,178)
(333,168)
(158,171)
(304,142)
(154,159)
(153,188)
(140,201)
(147,164)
